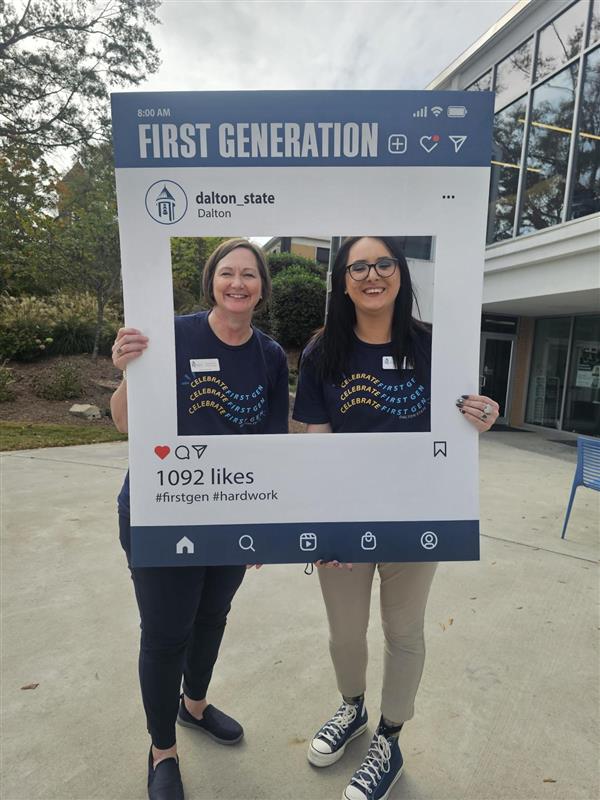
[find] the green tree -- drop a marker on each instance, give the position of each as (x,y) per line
(86,231)
(57,60)
(26,195)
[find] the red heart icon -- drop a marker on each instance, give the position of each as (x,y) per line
(162,450)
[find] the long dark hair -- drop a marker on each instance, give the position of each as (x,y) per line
(331,346)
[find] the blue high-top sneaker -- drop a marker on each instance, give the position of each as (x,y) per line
(380,770)
(329,742)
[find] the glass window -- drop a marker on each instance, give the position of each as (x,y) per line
(498,323)
(506,166)
(595,26)
(586,190)
(483,84)
(548,150)
(582,406)
(323,255)
(513,74)
(417,247)
(561,40)
(547,376)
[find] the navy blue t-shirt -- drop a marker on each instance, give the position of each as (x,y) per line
(373,396)
(226,389)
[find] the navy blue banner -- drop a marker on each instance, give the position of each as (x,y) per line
(189,545)
(303,128)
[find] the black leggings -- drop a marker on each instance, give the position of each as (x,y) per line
(183,611)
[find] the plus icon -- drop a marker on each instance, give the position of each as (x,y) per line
(397,143)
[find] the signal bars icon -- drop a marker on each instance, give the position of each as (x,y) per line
(421,112)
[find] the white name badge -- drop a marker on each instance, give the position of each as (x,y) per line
(204,365)
(388,362)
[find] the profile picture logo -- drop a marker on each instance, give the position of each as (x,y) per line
(166,202)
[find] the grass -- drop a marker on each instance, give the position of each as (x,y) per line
(30,435)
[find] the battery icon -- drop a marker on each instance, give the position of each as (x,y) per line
(456,112)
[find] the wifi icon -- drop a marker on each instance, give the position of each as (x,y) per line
(436,110)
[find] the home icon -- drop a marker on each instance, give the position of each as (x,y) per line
(184,546)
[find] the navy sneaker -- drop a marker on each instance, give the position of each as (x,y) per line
(164,780)
(329,743)
(214,723)
(380,770)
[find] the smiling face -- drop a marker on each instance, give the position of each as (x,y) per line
(374,294)
(237,284)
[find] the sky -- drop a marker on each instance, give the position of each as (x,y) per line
(313,44)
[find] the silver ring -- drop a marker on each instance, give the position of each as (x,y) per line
(487,409)
(483,416)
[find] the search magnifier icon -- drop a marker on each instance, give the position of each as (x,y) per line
(246,542)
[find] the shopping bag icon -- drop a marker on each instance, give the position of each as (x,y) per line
(368,541)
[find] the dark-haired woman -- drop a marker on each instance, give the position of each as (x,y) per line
(183,610)
(370,330)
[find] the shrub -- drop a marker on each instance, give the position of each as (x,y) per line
(297,306)
(262,319)
(63,384)
(25,327)
(6,382)
(61,324)
(278,262)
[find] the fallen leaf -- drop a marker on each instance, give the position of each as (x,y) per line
(277,662)
(451,620)
(30,686)
(549,780)
(442,626)
(473,598)
(519,608)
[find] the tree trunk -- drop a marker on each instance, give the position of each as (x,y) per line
(100,301)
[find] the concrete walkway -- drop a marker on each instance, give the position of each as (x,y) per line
(508,706)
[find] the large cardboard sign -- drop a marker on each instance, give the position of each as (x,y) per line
(300,164)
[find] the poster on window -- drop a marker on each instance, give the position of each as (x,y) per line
(298,172)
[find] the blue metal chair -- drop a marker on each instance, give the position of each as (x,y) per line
(587,472)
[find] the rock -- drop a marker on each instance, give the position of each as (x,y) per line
(85,410)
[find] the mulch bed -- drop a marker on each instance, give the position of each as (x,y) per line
(99,379)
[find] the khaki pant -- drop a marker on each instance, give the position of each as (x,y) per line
(403,597)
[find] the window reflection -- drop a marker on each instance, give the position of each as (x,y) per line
(483,84)
(595,26)
(506,162)
(547,375)
(548,150)
(586,192)
(582,407)
(513,74)
(561,40)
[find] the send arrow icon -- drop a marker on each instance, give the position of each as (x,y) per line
(458,142)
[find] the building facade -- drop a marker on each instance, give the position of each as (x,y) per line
(540,334)
(306,246)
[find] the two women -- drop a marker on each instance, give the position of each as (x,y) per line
(370,328)
(183,610)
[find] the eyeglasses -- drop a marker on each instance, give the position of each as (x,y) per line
(384,267)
